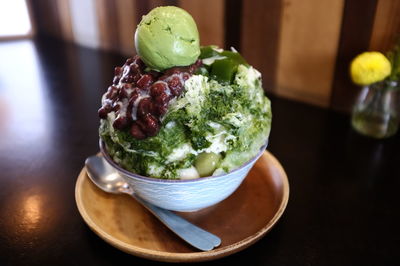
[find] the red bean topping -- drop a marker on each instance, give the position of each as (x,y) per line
(128,79)
(195,66)
(139,62)
(130,82)
(129,61)
(145,107)
(161,109)
(104,110)
(136,77)
(164,77)
(136,132)
(155,74)
(162,98)
(121,122)
(126,91)
(112,93)
(175,85)
(174,81)
(133,98)
(127,71)
(116,106)
(177,91)
(129,116)
(145,81)
(174,70)
(135,69)
(149,124)
(185,76)
(157,88)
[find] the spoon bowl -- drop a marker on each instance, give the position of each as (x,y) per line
(104,176)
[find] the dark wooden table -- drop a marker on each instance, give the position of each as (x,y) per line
(343,208)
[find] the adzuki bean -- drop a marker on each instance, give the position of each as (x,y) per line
(136,132)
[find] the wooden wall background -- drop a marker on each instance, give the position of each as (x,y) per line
(302,47)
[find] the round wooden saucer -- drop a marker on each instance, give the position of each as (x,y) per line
(240,220)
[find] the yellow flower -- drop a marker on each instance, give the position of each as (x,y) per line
(369,67)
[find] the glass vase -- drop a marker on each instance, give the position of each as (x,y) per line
(376,111)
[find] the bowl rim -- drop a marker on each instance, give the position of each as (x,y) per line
(129,174)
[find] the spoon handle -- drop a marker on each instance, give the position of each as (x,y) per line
(189,232)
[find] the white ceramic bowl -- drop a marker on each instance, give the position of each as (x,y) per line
(184,195)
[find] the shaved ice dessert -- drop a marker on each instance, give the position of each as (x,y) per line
(180,111)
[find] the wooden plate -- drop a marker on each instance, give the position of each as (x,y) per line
(250,212)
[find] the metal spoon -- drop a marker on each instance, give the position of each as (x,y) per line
(107,179)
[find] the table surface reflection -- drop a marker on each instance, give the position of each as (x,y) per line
(343,208)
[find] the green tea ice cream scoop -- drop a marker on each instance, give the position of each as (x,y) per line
(166,37)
